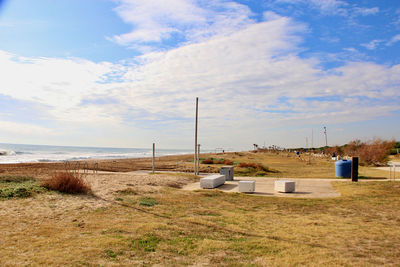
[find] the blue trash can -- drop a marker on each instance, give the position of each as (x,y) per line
(343,168)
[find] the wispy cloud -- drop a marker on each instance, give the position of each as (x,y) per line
(364,11)
(372,45)
(154,22)
(394,40)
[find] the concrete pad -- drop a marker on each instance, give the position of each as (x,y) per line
(247,186)
(212,181)
(285,186)
(305,188)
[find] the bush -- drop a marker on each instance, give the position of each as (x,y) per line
(67,182)
(227,162)
(217,161)
(373,152)
(208,161)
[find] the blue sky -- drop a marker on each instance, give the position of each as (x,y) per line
(126,72)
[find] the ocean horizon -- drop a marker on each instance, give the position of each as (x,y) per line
(24,153)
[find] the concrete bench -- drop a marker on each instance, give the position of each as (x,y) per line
(228,172)
(247,186)
(212,181)
(285,186)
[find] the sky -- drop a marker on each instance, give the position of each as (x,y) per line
(125,73)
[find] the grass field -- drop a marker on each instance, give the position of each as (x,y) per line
(164,225)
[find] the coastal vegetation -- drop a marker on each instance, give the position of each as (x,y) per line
(67,182)
(167,226)
(18,187)
(373,152)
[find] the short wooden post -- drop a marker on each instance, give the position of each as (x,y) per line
(354,169)
(154,154)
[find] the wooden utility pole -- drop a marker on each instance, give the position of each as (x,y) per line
(195,138)
(154,154)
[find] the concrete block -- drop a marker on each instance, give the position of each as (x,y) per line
(247,186)
(285,186)
(212,181)
(228,172)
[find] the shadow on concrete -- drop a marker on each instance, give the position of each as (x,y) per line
(227,186)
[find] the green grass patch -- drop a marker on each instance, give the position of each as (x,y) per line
(112,254)
(147,201)
(19,187)
(147,243)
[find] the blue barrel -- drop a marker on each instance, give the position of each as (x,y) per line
(343,168)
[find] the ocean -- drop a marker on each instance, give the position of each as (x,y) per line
(18,153)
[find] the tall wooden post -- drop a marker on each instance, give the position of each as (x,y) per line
(154,154)
(195,138)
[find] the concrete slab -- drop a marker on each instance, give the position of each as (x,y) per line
(247,186)
(305,188)
(285,186)
(212,181)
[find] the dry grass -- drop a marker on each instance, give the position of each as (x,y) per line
(172,227)
(67,182)
(140,219)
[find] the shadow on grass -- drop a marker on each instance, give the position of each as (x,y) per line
(361,177)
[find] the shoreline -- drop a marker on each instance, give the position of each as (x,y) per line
(181,162)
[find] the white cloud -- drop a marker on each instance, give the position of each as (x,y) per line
(372,45)
(190,20)
(364,11)
(248,81)
(61,84)
(26,129)
(394,39)
(327,7)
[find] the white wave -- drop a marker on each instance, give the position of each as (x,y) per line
(7,153)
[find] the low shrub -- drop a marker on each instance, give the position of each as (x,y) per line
(256,166)
(217,161)
(67,182)
(208,161)
(227,162)
(147,201)
(18,187)
(373,152)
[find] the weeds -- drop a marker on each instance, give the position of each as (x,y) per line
(147,201)
(148,243)
(18,187)
(67,182)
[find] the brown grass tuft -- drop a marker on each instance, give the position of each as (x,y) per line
(67,182)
